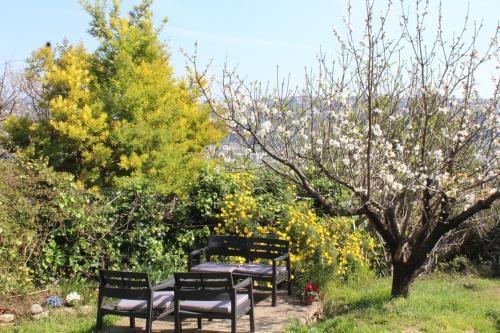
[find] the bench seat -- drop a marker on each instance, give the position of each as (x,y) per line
(208,267)
(259,269)
(217,306)
(161,300)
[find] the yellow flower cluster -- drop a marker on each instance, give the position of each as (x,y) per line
(330,243)
(237,213)
(239,208)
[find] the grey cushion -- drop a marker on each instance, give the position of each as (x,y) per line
(259,269)
(161,300)
(218,306)
(208,267)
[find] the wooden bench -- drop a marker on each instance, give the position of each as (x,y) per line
(252,249)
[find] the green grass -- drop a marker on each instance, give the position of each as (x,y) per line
(58,323)
(440,303)
(64,322)
(437,303)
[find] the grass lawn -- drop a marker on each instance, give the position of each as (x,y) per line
(438,303)
(58,323)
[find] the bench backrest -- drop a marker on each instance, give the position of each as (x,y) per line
(227,246)
(202,286)
(250,248)
(265,248)
(129,285)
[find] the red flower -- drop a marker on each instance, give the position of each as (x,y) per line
(309,287)
(315,288)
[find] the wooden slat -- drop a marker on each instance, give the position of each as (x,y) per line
(205,283)
(205,275)
(267,248)
(128,275)
(251,256)
(253,240)
(126,283)
(226,252)
(200,295)
(136,294)
(203,280)
(227,241)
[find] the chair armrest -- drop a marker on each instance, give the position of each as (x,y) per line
(198,252)
(244,284)
(164,285)
(283,257)
(194,254)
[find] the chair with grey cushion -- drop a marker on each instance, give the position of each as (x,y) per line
(254,250)
(133,297)
(212,296)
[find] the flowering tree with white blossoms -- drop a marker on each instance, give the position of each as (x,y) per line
(398,123)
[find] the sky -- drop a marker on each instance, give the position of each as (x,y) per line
(256,35)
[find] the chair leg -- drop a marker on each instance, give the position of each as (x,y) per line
(100,299)
(199,323)
(252,321)
(98,325)
(289,284)
(149,325)
(132,322)
(274,293)
(233,324)
(178,324)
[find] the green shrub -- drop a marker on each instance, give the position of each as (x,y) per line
(321,246)
(458,264)
(123,230)
(30,193)
(50,230)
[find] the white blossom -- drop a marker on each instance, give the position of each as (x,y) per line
(266,127)
(73,297)
(377,131)
(334,143)
(438,155)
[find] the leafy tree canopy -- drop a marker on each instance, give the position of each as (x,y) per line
(116,115)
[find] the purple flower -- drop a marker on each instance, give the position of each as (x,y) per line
(54,301)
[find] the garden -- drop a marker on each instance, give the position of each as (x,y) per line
(374,188)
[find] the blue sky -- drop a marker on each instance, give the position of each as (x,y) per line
(256,35)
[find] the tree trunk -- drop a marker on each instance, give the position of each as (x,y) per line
(402,279)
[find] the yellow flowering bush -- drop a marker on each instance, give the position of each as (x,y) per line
(332,245)
(238,208)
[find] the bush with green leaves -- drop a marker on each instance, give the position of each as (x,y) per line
(264,205)
(30,211)
(51,230)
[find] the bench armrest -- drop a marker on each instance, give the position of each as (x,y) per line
(198,252)
(194,254)
(283,257)
(244,284)
(164,285)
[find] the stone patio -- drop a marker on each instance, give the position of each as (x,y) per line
(267,318)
